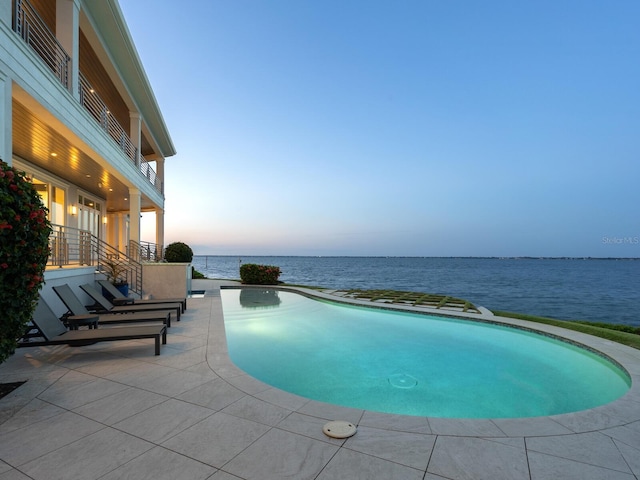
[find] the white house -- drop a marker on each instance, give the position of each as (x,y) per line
(77,113)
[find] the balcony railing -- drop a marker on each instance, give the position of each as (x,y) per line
(28,24)
(92,102)
(71,247)
(150,173)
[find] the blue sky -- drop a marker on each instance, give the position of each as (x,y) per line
(413,127)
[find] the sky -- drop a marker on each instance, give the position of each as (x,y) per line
(397,128)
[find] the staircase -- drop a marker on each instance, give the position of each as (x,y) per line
(73,247)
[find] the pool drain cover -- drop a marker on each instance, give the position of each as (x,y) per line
(402,380)
(339,429)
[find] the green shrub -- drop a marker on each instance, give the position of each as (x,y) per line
(178,252)
(24,250)
(259,274)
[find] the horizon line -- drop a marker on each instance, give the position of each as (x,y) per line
(496,257)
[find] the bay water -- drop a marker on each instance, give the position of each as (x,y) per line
(600,290)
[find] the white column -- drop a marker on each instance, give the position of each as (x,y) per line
(160,229)
(121,231)
(160,173)
(134,215)
(135,132)
(6,120)
(68,34)
(111,229)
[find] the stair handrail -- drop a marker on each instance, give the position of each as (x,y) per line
(72,246)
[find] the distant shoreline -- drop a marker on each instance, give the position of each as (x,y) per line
(415,256)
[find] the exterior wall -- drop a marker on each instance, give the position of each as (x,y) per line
(166,280)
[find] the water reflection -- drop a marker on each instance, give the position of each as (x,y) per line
(259,298)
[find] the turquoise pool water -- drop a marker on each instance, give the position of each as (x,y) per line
(410,364)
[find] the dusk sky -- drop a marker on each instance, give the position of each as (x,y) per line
(399,128)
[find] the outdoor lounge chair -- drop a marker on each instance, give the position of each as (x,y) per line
(46,325)
(103,305)
(75,307)
(117,298)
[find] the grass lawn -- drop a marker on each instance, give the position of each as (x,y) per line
(616,333)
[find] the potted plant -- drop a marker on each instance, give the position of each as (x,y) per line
(114,271)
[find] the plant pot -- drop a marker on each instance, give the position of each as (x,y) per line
(124,288)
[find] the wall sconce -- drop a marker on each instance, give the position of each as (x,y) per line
(104,219)
(74,210)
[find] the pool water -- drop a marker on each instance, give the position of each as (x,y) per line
(410,364)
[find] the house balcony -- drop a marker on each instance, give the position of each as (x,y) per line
(35,32)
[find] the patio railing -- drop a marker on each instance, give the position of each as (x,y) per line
(145,251)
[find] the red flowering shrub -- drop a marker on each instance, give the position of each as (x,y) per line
(259,274)
(24,250)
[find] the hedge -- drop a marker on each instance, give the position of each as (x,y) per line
(259,274)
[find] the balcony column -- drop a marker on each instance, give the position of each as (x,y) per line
(122,231)
(68,34)
(160,230)
(134,215)
(160,173)
(135,122)
(111,229)
(6,120)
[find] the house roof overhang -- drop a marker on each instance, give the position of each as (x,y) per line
(115,39)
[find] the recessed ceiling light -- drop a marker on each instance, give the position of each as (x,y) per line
(54,154)
(88,175)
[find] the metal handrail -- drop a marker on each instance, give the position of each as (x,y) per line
(35,32)
(145,251)
(98,109)
(150,173)
(74,247)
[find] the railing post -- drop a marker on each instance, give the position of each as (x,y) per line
(104,121)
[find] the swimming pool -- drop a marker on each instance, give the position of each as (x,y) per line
(411,364)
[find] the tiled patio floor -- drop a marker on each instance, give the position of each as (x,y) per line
(116,411)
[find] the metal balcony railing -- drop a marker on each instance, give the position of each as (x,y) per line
(28,24)
(73,247)
(32,29)
(92,102)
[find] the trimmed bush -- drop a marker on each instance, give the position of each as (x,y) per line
(24,250)
(259,274)
(178,252)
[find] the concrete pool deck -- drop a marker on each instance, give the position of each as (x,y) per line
(114,410)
